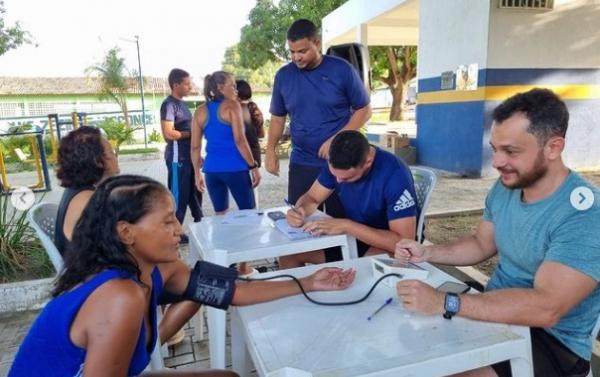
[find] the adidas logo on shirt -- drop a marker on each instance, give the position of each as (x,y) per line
(405,201)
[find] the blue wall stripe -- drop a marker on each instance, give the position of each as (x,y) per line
(523,76)
(450,136)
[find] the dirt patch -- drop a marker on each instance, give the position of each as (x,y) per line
(447,229)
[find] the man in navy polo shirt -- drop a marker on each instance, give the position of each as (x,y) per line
(376,190)
(323,95)
(176,123)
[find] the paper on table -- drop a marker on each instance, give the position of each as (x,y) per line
(297,233)
(243,217)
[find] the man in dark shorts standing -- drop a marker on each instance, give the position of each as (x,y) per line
(176,123)
(543,221)
(376,190)
(323,95)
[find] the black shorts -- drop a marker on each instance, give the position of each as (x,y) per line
(551,358)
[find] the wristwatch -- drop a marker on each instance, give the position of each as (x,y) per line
(451,305)
(253,166)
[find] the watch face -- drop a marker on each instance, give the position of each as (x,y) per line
(452,303)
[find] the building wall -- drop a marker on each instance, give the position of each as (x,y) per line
(17,110)
(565,37)
(560,50)
(449,123)
(518,50)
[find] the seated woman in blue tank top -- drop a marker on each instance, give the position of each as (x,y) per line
(229,164)
(86,158)
(101,321)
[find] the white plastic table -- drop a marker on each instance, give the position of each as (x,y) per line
(225,244)
(293,337)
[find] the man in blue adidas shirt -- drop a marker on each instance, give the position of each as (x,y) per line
(543,221)
(376,190)
(176,123)
(322,96)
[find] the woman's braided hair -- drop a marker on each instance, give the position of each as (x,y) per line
(96,245)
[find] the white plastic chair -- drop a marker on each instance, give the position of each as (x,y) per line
(42,218)
(424,180)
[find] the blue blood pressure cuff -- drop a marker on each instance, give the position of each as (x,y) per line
(211,284)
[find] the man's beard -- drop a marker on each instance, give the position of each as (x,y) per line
(528,179)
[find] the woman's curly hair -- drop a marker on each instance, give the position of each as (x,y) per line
(81,158)
(96,245)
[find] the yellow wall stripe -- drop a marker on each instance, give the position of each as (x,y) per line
(500,93)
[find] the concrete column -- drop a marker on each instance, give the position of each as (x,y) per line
(362,34)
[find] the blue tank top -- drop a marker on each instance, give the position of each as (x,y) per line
(48,351)
(222,155)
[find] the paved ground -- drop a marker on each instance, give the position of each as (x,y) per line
(451,193)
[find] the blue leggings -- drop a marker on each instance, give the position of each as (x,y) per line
(238,182)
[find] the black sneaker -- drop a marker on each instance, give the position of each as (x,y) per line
(184,239)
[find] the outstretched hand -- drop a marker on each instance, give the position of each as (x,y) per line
(331,279)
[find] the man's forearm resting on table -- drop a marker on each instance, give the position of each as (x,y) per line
(465,252)
(541,306)
(381,239)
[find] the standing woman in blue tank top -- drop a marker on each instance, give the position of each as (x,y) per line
(229,165)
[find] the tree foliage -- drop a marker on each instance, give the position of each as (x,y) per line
(264,38)
(11,37)
(394,66)
(260,78)
(116,79)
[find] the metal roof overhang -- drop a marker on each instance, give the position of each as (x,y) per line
(387,23)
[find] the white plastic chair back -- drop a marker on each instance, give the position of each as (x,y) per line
(424,180)
(42,218)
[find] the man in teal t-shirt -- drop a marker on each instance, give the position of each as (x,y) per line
(543,221)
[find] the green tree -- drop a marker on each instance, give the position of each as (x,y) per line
(262,77)
(263,39)
(231,63)
(116,79)
(395,66)
(11,37)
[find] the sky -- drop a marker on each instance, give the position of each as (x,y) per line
(75,34)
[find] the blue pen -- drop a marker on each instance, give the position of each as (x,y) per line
(387,302)
(290,205)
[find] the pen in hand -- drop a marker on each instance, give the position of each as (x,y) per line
(293,207)
(386,303)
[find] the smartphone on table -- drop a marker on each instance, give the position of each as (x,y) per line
(276,215)
(453,287)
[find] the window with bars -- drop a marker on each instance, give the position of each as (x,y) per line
(40,108)
(526,4)
(11,109)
